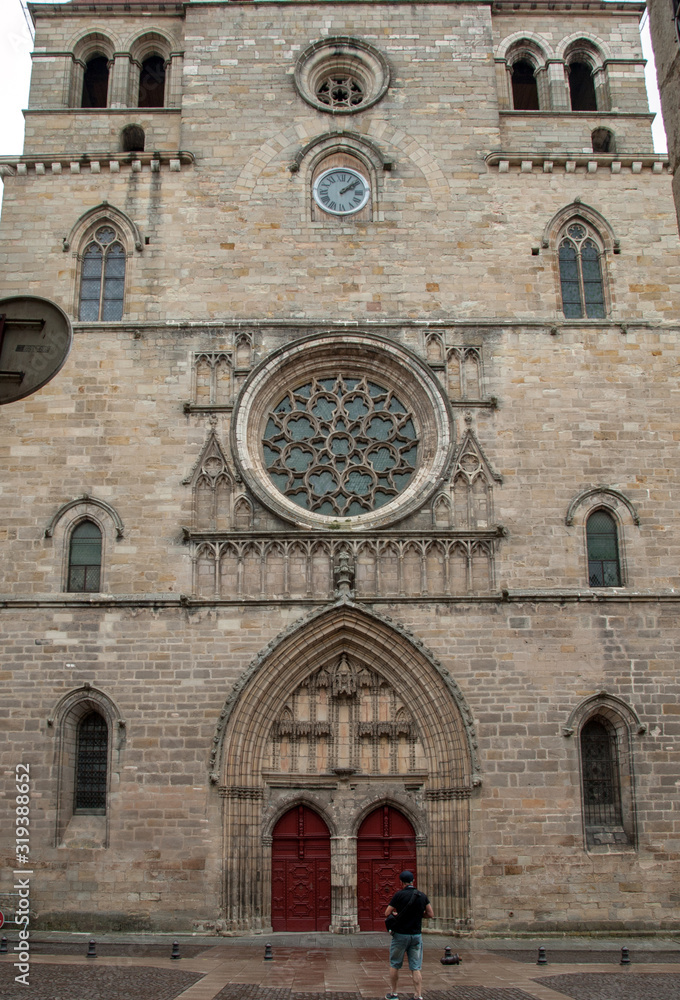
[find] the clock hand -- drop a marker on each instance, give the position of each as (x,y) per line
(349,187)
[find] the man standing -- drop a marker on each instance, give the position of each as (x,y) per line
(410,906)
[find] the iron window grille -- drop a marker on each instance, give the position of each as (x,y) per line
(91,764)
(601,785)
(85,559)
(604,569)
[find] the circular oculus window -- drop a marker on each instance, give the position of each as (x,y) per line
(341,75)
(342,429)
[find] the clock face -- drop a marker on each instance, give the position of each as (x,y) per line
(341,191)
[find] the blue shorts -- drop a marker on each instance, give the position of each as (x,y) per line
(409,944)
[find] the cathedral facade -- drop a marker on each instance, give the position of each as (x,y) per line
(346,539)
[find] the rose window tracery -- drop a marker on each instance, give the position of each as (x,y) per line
(340,446)
(340,91)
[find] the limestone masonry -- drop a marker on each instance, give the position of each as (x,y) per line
(347,538)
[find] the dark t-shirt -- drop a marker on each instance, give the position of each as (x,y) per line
(412,920)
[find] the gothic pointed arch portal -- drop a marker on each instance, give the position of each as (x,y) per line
(344,714)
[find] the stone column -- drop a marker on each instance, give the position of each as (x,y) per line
(243,859)
(344,917)
(173,80)
(120,82)
(503,85)
(444,860)
(559,86)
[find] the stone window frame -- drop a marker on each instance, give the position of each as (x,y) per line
(528,48)
(68,517)
(602,234)
(349,55)
(401,370)
(589,50)
(623,722)
(625,516)
(64,722)
(82,234)
(91,44)
(141,48)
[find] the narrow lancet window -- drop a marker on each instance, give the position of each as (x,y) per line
(91,764)
(102,282)
(603,550)
(524,87)
(85,558)
(581,274)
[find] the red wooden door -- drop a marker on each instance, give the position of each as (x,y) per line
(386,846)
(301,872)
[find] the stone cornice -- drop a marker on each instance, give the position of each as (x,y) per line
(549,326)
(549,162)
(80,163)
(619,596)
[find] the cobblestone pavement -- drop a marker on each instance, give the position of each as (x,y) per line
(324,969)
(459,993)
(605,986)
(573,957)
(66,982)
(107,949)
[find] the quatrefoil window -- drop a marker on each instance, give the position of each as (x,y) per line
(340,446)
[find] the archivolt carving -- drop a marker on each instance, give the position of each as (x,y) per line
(428,706)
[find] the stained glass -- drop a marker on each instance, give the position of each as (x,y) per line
(340,445)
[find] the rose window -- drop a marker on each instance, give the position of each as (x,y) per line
(340,446)
(340,92)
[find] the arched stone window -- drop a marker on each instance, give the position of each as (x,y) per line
(152,83)
(95,82)
(85,531)
(581,86)
(102,277)
(524,86)
(91,765)
(604,726)
(85,558)
(132,139)
(603,550)
(581,281)
(90,736)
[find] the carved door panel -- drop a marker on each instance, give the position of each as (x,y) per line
(301,872)
(386,845)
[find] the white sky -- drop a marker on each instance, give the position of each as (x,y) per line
(15,67)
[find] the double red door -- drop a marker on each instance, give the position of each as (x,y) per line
(386,846)
(301,872)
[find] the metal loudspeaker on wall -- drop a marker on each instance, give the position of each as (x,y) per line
(35,339)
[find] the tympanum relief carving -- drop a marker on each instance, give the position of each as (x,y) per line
(345,719)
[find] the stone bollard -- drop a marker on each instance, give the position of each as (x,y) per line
(91,949)
(541,960)
(268,957)
(625,957)
(175,950)
(3,946)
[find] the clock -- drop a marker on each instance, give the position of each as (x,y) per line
(341,191)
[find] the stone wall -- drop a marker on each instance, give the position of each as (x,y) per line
(477,603)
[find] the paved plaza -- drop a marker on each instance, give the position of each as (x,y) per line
(328,967)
